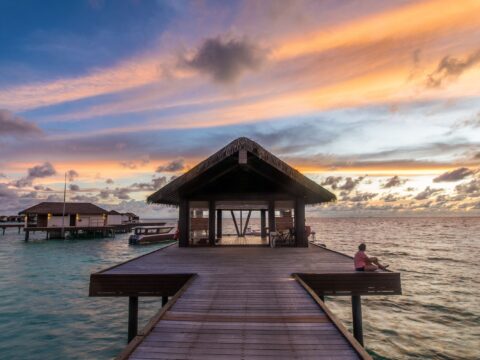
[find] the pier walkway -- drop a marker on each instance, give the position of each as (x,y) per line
(242,302)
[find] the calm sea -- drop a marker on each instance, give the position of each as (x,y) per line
(45,312)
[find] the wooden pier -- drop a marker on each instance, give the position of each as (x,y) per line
(79,231)
(242,302)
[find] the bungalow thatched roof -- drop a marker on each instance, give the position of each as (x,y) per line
(70,208)
(169,194)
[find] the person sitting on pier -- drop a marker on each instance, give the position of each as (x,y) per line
(365,263)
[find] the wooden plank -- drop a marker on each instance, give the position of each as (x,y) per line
(132,345)
(343,330)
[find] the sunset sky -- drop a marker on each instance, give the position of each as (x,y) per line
(377,101)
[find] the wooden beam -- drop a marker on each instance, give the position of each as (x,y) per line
(235,223)
(219,224)
(357,318)
(300,238)
(184,224)
(211,222)
(132,317)
(246,222)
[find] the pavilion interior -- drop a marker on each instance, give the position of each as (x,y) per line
(241,223)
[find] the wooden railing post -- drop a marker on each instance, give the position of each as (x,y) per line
(132,317)
(164,300)
(357,318)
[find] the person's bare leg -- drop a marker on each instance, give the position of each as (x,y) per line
(375,261)
(370,267)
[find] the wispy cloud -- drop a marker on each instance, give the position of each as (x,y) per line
(13,125)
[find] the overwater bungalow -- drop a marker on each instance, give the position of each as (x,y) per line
(114,218)
(129,218)
(262,300)
(49,215)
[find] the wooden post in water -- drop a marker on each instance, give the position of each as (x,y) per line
(211,222)
(357,318)
(263,223)
(27,234)
(219,224)
(164,300)
(132,317)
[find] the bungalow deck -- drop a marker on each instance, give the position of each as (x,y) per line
(242,302)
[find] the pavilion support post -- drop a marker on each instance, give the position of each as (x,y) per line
(271,216)
(263,223)
(132,317)
(357,318)
(300,238)
(183,224)
(235,223)
(219,224)
(164,300)
(246,222)
(27,235)
(211,222)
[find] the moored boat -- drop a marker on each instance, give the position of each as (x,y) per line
(152,234)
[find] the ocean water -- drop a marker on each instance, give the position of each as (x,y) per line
(45,311)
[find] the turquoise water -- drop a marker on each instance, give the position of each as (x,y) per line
(45,311)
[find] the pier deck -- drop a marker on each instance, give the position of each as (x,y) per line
(242,303)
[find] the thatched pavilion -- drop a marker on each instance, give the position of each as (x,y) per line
(241,176)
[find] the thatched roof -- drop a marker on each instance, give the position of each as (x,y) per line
(70,208)
(169,194)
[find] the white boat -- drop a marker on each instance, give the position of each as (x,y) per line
(152,234)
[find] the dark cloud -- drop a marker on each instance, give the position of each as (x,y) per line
(471,189)
(38,171)
(350,183)
(157,183)
(84,198)
(6,193)
(450,67)
(332,181)
(226,60)
(72,175)
(172,166)
(10,124)
(104,194)
(425,194)
(455,175)
(74,187)
(41,171)
(109,181)
(121,193)
(358,197)
(393,182)
(42,188)
(390,198)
